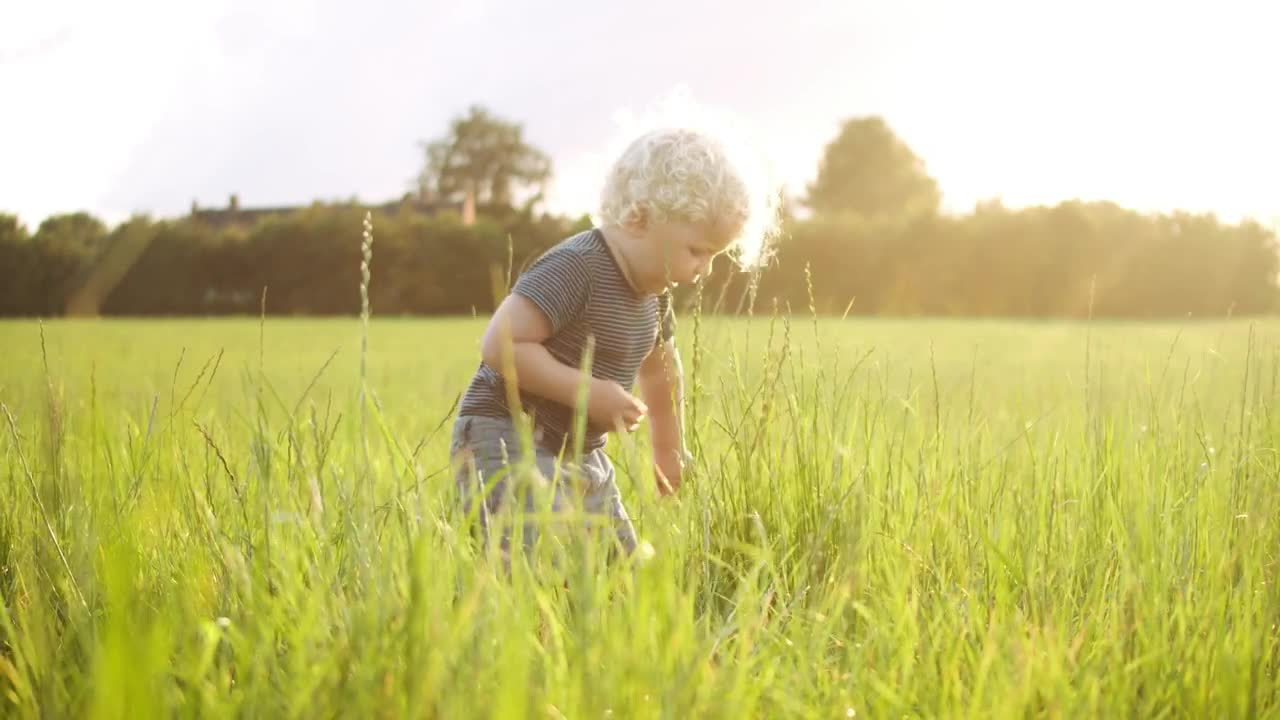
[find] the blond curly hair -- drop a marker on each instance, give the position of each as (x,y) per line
(682,175)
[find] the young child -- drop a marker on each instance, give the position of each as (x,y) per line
(671,203)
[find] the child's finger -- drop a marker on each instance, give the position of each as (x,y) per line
(664,485)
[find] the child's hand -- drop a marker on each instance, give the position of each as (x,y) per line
(664,485)
(668,469)
(610,406)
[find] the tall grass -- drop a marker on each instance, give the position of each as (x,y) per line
(886,519)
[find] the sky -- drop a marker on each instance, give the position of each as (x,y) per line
(144,106)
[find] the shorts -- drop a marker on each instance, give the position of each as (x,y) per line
(487,451)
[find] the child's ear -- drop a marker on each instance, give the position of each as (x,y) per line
(638,222)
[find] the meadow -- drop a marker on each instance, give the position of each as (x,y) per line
(887,518)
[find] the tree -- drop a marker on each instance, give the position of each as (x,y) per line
(19,268)
(869,171)
(487,155)
(12,230)
(124,246)
(66,244)
(78,235)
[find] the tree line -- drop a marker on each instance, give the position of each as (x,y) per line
(873,241)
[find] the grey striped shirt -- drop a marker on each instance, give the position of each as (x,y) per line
(580,288)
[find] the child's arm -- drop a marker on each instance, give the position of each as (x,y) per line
(514,340)
(661,383)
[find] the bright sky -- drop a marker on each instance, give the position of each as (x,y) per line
(145,105)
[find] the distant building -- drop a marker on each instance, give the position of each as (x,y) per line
(235,215)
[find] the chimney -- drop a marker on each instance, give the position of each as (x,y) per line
(195,207)
(235,202)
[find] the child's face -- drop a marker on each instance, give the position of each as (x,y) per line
(683,251)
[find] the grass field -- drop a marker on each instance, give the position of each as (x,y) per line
(887,519)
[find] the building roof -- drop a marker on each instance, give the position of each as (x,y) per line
(234,214)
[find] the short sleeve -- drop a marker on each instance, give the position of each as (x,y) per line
(666,318)
(559,284)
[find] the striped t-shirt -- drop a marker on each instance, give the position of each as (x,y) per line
(580,288)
